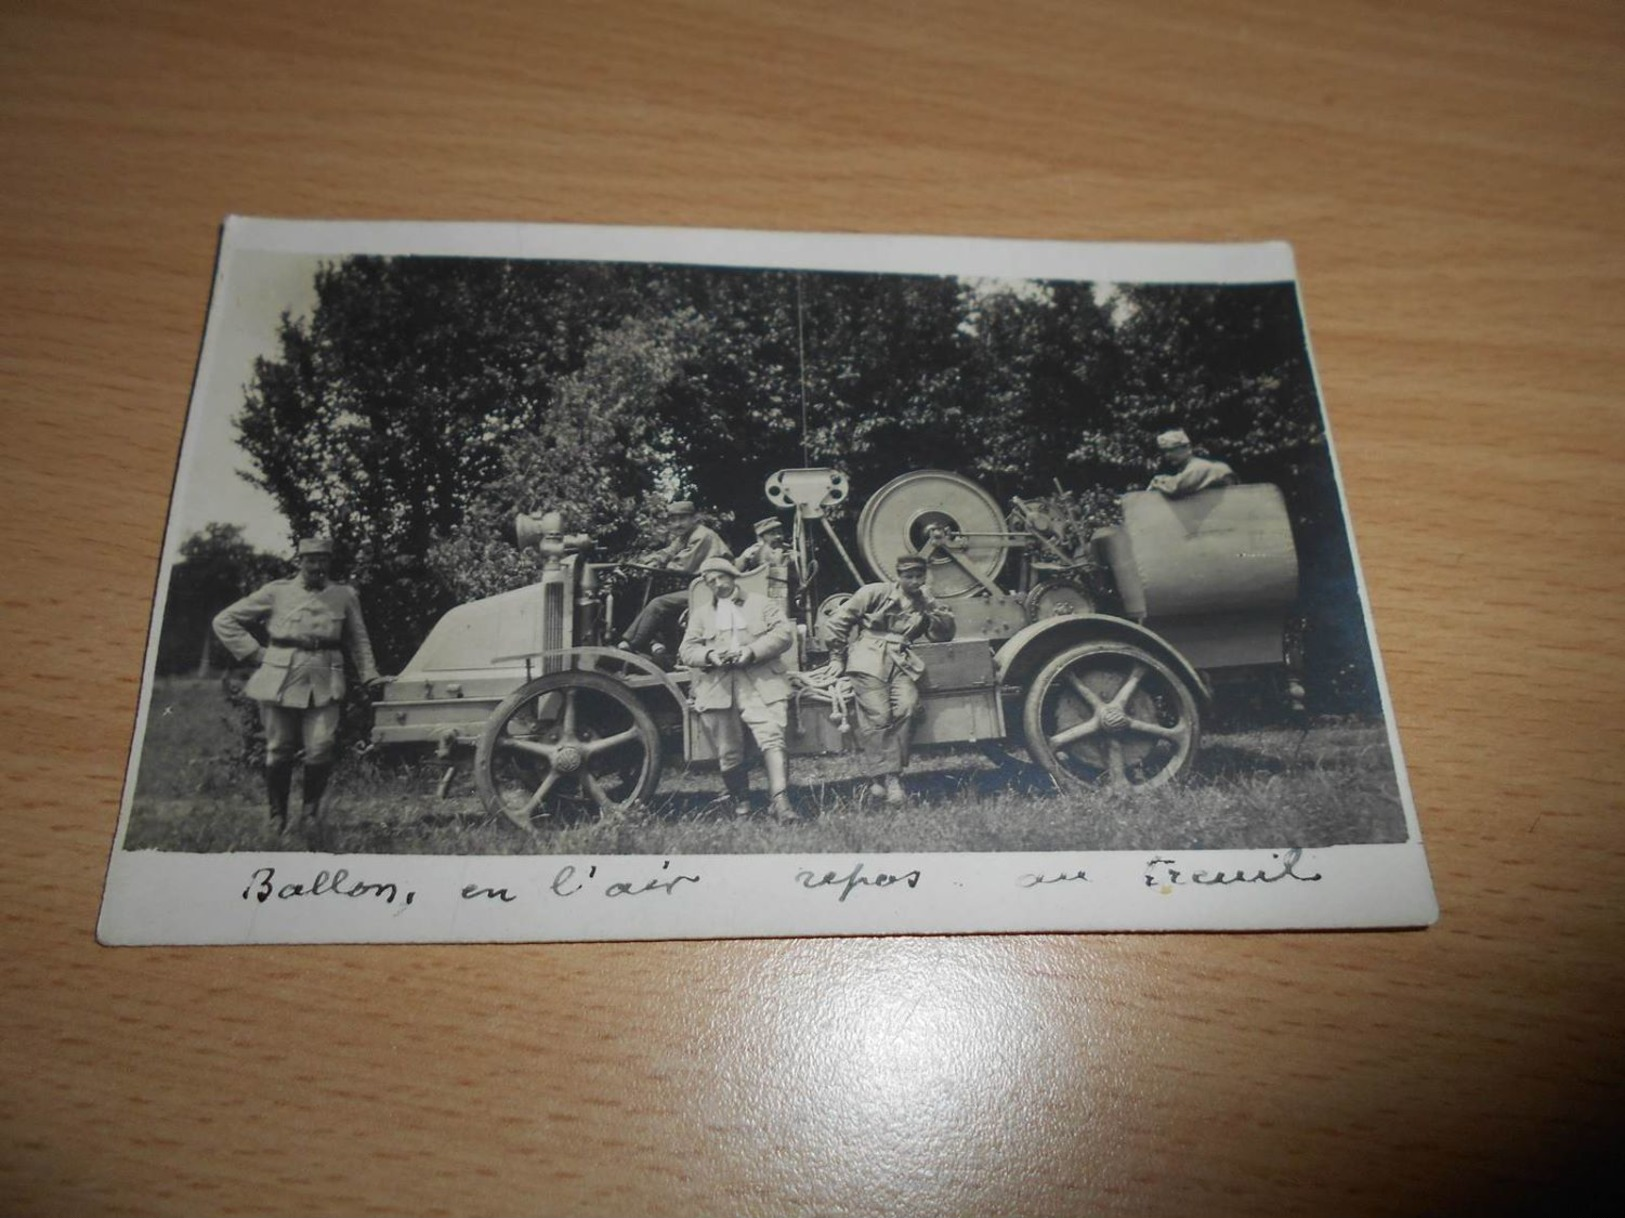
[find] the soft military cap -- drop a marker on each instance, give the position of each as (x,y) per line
(911,562)
(682,507)
(763,527)
(1170,440)
(720,566)
(315,545)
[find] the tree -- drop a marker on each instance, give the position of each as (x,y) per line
(426,401)
(217,567)
(406,392)
(594,456)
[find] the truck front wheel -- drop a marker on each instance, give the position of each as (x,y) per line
(566,743)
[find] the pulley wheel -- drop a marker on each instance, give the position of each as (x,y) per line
(899,518)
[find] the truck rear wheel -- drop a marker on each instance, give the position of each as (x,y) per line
(1111,714)
(567,743)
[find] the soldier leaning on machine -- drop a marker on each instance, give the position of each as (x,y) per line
(1187,473)
(785,579)
(872,637)
(310,624)
(691,544)
(735,644)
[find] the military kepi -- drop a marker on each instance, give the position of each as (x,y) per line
(315,545)
(911,562)
(1170,440)
(764,527)
(682,507)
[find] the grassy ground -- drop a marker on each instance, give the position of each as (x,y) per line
(1331,785)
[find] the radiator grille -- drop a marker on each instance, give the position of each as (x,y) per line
(554,607)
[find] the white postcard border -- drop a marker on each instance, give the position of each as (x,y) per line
(974,257)
(161,898)
(193,899)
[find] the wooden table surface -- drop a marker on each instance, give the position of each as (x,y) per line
(1450,174)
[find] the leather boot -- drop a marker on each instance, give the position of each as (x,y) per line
(778,783)
(737,782)
(315,784)
(278,782)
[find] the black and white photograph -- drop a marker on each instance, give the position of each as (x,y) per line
(962,585)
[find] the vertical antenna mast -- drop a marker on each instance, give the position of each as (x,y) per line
(801,349)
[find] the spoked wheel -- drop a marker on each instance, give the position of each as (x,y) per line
(565,744)
(1110,714)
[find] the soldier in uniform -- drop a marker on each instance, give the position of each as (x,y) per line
(1187,473)
(784,575)
(691,544)
(871,636)
(735,644)
(310,624)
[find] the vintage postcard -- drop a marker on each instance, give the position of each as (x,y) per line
(558,582)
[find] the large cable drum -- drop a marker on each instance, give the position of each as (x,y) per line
(900,516)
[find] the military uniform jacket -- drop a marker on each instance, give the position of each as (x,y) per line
(1198,474)
(783,574)
(877,626)
(687,553)
(768,635)
(308,632)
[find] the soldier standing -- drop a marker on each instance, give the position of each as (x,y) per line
(872,636)
(1187,473)
(691,544)
(310,624)
(784,575)
(735,645)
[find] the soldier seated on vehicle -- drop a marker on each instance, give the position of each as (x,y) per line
(691,544)
(1187,473)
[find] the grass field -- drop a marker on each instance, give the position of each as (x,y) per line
(1331,785)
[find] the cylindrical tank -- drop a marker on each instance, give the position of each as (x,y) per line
(1226,550)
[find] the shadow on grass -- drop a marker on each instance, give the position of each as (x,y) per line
(959,779)
(1225,762)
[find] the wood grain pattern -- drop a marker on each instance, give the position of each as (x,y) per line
(1450,173)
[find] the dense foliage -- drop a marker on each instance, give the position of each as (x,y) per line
(217,567)
(426,401)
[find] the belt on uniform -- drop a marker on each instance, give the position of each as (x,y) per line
(888,636)
(304,645)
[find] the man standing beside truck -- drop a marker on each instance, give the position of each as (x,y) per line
(872,637)
(735,645)
(310,624)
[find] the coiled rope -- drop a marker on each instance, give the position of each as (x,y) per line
(830,686)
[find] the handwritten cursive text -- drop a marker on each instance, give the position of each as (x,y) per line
(262,886)
(1162,874)
(1034,879)
(855,879)
(567,882)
